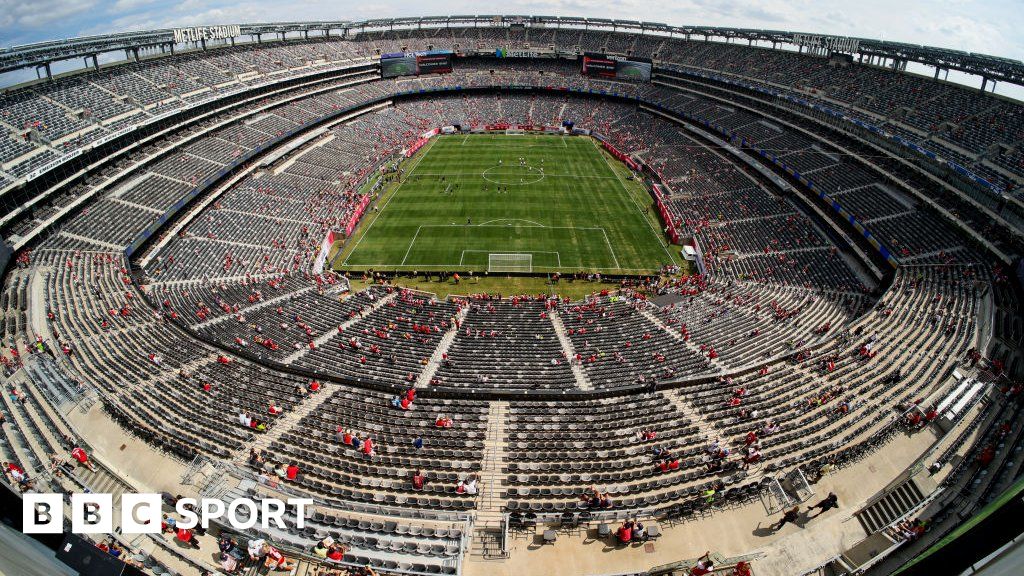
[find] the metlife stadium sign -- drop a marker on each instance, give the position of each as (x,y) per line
(830,43)
(92,513)
(199,33)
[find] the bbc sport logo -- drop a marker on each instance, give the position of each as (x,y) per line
(142,513)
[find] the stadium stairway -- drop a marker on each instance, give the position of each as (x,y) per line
(489,523)
(895,503)
(290,421)
(423,380)
(250,309)
(329,334)
(708,428)
(582,381)
(675,334)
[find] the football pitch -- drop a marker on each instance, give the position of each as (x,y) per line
(547,203)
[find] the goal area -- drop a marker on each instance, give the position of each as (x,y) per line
(510,262)
(515,132)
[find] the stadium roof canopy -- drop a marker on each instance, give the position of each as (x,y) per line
(898,53)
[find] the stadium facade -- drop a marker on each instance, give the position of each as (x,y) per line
(179,317)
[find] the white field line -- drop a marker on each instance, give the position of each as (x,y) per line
(610,249)
(657,233)
(485,225)
(423,154)
(411,242)
(557,254)
(511,220)
(423,267)
(455,174)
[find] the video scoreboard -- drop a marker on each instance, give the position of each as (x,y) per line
(616,67)
(415,63)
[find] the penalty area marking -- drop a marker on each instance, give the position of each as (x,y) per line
(533,225)
(546,175)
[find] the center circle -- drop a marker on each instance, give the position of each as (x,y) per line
(512,175)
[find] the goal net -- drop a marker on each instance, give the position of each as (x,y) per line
(514,132)
(510,262)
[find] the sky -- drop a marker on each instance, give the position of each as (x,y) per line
(985,26)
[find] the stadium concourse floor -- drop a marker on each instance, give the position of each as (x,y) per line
(738,531)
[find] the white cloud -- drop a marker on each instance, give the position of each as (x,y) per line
(123,5)
(38,13)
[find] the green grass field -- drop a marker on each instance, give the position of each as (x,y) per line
(570,207)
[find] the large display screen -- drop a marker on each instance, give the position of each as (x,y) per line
(392,65)
(411,64)
(434,63)
(598,65)
(613,67)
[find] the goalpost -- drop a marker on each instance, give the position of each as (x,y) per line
(510,262)
(514,132)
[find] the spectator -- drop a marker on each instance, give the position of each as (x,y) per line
(80,455)
(704,565)
(829,502)
(230,547)
(625,532)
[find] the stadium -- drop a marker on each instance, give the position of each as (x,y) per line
(512,295)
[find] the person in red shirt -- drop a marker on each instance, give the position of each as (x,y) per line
(704,565)
(742,569)
(78,454)
(336,553)
(185,535)
(986,456)
(292,472)
(418,480)
(751,437)
(368,447)
(914,418)
(14,472)
(625,532)
(275,558)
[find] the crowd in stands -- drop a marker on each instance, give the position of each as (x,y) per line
(781,354)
